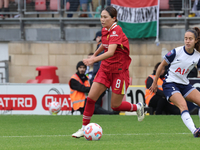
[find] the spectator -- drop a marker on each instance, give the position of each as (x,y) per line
(158,100)
(4,7)
(108,2)
(196,7)
(176,5)
(73,6)
(96,65)
(79,86)
(193,73)
(83,5)
(90,8)
(99,8)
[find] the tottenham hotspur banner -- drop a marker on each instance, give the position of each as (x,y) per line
(138,18)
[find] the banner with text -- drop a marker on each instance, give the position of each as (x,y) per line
(33,98)
(138,18)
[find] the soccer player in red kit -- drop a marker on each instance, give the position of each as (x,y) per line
(113,71)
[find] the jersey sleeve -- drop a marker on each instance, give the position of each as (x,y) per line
(115,36)
(169,57)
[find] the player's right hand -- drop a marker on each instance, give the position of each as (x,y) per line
(153,87)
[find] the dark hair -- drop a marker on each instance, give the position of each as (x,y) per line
(112,12)
(196,32)
(80,63)
(90,54)
(156,66)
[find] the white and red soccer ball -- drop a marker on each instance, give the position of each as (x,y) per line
(93,132)
(54,108)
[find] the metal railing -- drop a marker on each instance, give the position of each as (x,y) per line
(6,67)
(26,12)
(29,7)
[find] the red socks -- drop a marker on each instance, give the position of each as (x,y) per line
(88,111)
(126,106)
(90,105)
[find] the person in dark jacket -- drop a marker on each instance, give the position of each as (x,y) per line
(79,86)
(96,65)
(193,73)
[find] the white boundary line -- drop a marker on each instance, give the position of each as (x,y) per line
(32,136)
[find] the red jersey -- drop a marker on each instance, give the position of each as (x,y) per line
(120,61)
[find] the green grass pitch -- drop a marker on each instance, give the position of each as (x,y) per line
(35,132)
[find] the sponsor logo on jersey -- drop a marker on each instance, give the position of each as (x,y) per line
(105,45)
(182,71)
(113,34)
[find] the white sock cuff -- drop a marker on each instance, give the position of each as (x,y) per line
(83,126)
(138,106)
(185,111)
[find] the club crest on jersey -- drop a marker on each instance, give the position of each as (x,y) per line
(122,46)
(107,36)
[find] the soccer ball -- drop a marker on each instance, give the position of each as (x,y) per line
(54,108)
(93,132)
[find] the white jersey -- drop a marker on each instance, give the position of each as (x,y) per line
(180,64)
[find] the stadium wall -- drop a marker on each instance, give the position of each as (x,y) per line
(83,33)
(26,56)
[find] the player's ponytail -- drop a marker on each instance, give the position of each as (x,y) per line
(197,45)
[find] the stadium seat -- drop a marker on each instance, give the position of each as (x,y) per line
(40,5)
(32,81)
(47,81)
(47,72)
(164,4)
(67,6)
(54,4)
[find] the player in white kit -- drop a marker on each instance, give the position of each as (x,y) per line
(176,87)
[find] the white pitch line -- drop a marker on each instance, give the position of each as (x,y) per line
(31,136)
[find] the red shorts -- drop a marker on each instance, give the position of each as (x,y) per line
(119,82)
